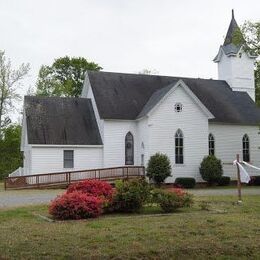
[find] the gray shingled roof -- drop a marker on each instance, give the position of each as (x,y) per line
(232,30)
(154,100)
(228,46)
(61,121)
(125,96)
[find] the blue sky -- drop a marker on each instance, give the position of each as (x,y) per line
(178,38)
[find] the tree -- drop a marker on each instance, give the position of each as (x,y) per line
(250,34)
(10,155)
(159,168)
(149,72)
(64,77)
(10,80)
(211,169)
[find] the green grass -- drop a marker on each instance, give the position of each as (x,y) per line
(225,230)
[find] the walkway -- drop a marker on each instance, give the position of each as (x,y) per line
(14,198)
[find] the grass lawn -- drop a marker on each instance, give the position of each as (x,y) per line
(225,230)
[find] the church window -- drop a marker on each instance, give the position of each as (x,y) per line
(129,149)
(246,152)
(211,144)
(179,147)
(178,107)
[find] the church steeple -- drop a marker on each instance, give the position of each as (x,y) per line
(235,64)
(233,29)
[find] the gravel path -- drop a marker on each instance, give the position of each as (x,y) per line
(227,191)
(16,198)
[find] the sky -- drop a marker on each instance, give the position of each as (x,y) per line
(177,38)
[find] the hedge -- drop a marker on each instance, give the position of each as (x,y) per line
(185,182)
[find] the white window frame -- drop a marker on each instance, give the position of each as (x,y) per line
(66,159)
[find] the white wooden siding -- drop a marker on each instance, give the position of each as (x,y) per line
(26,148)
(50,159)
(100,122)
(114,141)
(143,137)
(238,72)
(163,124)
(228,143)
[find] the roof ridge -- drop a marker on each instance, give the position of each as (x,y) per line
(152,75)
(53,97)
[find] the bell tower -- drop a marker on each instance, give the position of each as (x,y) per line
(235,65)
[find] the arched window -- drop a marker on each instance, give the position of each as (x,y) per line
(246,151)
(129,149)
(179,147)
(211,144)
(142,154)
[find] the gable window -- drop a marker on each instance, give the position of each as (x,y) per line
(211,144)
(129,149)
(178,107)
(68,159)
(246,152)
(179,147)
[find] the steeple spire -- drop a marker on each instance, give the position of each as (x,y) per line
(232,29)
(235,62)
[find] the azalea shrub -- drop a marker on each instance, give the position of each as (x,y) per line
(173,199)
(130,196)
(75,205)
(91,198)
(95,188)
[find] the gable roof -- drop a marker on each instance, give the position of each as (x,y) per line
(61,121)
(124,96)
(158,96)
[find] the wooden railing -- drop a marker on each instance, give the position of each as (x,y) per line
(65,178)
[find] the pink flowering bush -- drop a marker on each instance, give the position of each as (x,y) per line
(97,188)
(75,205)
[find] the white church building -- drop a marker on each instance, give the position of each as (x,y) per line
(122,119)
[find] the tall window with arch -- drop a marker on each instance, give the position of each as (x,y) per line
(246,150)
(142,154)
(129,149)
(179,147)
(211,144)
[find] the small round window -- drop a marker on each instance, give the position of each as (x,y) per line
(178,107)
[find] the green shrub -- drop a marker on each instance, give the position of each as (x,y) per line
(172,200)
(224,181)
(211,169)
(130,196)
(186,183)
(204,205)
(159,168)
(255,180)
(168,201)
